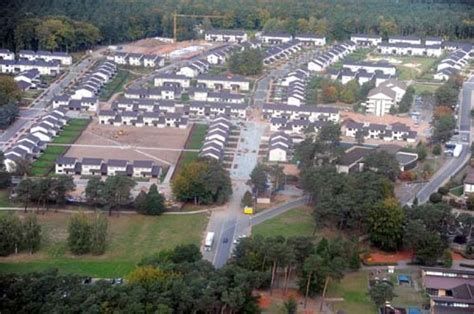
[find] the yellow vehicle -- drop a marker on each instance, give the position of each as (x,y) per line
(248,210)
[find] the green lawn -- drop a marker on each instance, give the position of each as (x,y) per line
(196,138)
(195,141)
(116,85)
(295,222)
(130,238)
(45,163)
(421,88)
(411,67)
(5,198)
(353,289)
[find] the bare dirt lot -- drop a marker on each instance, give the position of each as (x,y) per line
(131,143)
(184,49)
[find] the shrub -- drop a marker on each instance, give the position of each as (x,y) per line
(436,197)
(443,190)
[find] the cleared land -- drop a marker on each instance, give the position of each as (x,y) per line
(130,238)
(45,163)
(121,142)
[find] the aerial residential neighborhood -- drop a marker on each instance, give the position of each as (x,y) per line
(237,157)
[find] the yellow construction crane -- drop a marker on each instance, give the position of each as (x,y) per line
(175,17)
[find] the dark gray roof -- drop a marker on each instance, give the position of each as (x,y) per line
(117,163)
(92,161)
(142,163)
(63,160)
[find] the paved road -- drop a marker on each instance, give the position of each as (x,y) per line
(454,165)
(231,222)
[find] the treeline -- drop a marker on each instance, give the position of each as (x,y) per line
(10,95)
(446,98)
(120,20)
(324,90)
(175,281)
(364,202)
(55,33)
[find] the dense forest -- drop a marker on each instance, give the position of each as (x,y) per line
(25,24)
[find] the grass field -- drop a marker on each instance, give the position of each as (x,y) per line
(421,88)
(116,85)
(413,67)
(296,222)
(353,289)
(196,139)
(45,163)
(130,238)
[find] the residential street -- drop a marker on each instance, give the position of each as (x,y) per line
(452,166)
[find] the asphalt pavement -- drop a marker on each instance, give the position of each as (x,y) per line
(455,164)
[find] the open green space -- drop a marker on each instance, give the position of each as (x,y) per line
(45,163)
(353,289)
(411,67)
(130,238)
(295,222)
(421,88)
(195,141)
(196,138)
(116,85)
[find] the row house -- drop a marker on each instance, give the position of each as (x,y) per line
(275,38)
(83,104)
(407,49)
(163,92)
(111,167)
(63,57)
(220,82)
(28,79)
(142,119)
(219,55)
(296,93)
(50,68)
(453,63)
(433,41)
(137,59)
(279,147)
(391,132)
(200,109)
(455,45)
(307,112)
(362,76)
(194,68)
(147,105)
(226,35)
(6,54)
(282,51)
(31,145)
(412,40)
(292,127)
(371,67)
(172,79)
(311,39)
(92,84)
(385,96)
(331,56)
(366,39)
(225,97)
(216,137)
(297,75)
